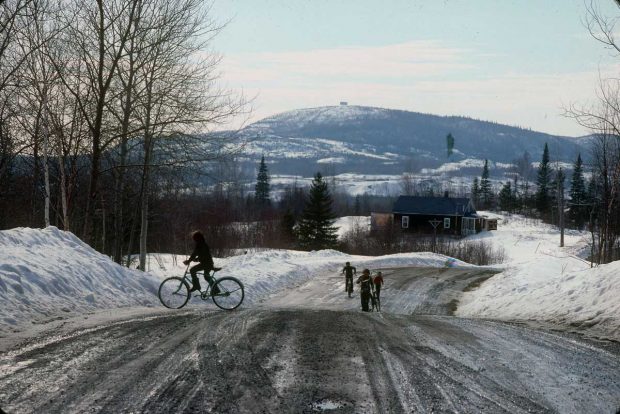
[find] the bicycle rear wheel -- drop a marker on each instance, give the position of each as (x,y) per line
(173,293)
(230,293)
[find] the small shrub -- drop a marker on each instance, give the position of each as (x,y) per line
(390,241)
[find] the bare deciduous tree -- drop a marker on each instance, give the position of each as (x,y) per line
(603,119)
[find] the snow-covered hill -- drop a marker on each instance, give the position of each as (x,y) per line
(396,135)
(351,141)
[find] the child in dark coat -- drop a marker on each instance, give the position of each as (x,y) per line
(365,282)
(201,254)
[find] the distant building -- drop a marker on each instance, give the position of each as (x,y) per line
(451,216)
(344,103)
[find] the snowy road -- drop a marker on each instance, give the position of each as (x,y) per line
(293,359)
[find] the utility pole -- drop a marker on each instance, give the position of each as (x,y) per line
(561,205)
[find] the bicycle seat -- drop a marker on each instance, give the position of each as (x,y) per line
(216,269)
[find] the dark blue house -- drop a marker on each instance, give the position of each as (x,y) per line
(451,216)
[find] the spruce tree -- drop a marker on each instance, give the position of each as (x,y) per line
(262,184)
(578,209)
(315,227)
(486,193)
(506,198)
(543,200)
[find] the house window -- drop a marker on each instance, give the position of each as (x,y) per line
(405,222)
(469,226)
(446,223)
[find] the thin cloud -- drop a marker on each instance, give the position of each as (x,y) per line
(405,60)
(420,76)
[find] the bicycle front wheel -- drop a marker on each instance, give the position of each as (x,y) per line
(173,293)
(229,294)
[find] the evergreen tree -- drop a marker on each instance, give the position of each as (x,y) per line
(315,227)
(578,209)
(262,184)
(543,199)
(506,197)
(475,192)
(486,192)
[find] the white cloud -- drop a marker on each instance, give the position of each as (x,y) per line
(419,76)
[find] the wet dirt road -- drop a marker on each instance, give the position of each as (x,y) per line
(292,360)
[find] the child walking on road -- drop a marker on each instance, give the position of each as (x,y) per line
(365,282)
(378,281)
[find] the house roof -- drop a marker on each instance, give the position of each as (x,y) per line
(445,206)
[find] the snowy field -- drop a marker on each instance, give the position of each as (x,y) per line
(49,274)
(384,184)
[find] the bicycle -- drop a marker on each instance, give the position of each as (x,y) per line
(349,285)
(375,302)
(174,292)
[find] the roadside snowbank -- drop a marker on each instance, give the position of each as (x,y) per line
(266,272)
(585,299)
(51,274)
(545,282)
(46,274)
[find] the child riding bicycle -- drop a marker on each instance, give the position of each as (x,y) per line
(202,254)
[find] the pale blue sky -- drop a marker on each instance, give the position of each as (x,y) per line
(515,62)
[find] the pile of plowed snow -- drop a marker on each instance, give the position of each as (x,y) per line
(545,282)
(586,299)
(49,273)
(267,272)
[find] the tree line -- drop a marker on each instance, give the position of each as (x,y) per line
(102,105)
(582,203)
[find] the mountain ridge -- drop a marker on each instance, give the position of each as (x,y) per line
(394,138)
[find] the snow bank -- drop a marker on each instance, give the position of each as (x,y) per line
(545,282)
(266,272)
(585,299)
(48,273)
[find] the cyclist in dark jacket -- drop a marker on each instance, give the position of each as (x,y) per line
(201,254)
(348,271)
